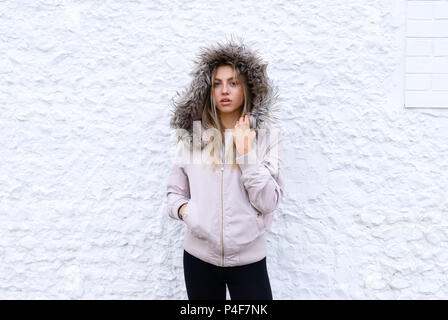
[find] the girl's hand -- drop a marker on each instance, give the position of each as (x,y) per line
(182,209)
(243,136)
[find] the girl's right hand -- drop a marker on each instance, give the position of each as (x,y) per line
(181,210)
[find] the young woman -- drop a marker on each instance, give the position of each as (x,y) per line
(227,199)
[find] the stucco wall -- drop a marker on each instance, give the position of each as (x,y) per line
(85,90)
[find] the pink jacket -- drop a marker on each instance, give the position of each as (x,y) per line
(229,209)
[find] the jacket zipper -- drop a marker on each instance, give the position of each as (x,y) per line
(222,218)
(222,206)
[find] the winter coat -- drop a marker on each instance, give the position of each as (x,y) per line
(229,209)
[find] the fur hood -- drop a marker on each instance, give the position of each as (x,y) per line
(189,104)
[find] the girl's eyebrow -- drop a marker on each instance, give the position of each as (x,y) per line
(227,79)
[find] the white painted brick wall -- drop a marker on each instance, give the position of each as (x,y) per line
(426,54)
(85,89)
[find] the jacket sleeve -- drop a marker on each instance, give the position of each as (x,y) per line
(177,190)
(262,176)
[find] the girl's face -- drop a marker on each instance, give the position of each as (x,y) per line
(227,91)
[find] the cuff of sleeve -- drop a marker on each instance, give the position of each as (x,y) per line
(247,160)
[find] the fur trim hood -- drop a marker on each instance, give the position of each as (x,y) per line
(189,104)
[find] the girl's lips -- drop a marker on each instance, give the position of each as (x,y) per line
(226,102)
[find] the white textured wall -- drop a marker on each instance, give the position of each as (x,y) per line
(85,89)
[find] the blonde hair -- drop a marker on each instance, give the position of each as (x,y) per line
(210,119)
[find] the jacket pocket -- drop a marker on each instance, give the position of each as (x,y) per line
(245,227)
(261,222)
(192,219)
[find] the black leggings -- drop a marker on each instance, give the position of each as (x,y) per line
(206,281)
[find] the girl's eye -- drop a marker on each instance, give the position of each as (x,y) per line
(233,83)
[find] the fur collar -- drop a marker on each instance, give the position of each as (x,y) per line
(189,104)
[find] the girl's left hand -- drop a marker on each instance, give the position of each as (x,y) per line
(243,136)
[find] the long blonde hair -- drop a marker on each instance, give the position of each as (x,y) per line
(210,119)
